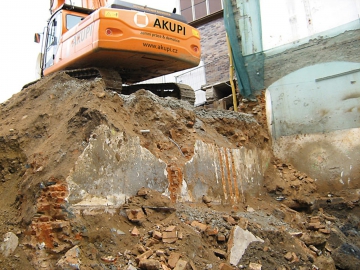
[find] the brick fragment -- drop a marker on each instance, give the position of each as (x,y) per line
(225,266)
(170,229)
(212,231)
(149,264)
(157,235)
(255,266)
(135,215)
(173,259)
(169,237)
(135,232)
(201,227)
(181,265)
(144,256)
(221,238)
(230,220)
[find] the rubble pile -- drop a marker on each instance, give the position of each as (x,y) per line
(46,129)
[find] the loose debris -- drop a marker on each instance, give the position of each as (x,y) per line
(44,129)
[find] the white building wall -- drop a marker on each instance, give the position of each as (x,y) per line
(286,21)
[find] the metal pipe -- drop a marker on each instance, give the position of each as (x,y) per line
(232,75)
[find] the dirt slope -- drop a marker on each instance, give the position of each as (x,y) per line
(44,129)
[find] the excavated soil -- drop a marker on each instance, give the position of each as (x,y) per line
(44,129)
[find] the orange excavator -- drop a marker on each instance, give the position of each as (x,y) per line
(121,42)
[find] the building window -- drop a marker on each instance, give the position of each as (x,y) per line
(196,9)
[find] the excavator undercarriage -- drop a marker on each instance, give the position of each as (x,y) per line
(113,81)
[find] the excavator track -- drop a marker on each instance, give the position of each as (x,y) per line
(176,90)
(110,77)
(113,81)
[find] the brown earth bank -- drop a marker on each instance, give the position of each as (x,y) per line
(48,125)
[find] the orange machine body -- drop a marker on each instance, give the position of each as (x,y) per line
(138,44)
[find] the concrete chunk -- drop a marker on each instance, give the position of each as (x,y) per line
(238,242)
(9,244)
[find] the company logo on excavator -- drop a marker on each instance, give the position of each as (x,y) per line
(141,19)
(170,26)
(82,35)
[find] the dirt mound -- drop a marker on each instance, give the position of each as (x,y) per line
(46,127)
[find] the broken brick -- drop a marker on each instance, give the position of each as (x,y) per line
(181,265)
(135,232)
(221,238)
(201,227)
(143,256)
(135,215)
(157,235)
(169,237)
(173,259)
(149,264)
(225,266)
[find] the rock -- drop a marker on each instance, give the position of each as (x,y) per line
(225,266)
(347,256)
(221,237)
(250,209)
(141,249)
(101,94)
(325,262)
(108,259)
(243,223)
(291,257)
(130,267)
(160,253)
(144,256)
(288,256)
(313,248)
(220,253)
(135,232)
(170,229)
(164,267)
(181,265)
(201,227)
(206,199)
(9,244)
(135,215)
(315,226)
(173,259)
(212,231)
(143,192)
(255,266)
(71,259)
(238,242)
(149,264)
(325,231)
(230,220)
(169,237)
(157,235)
(314,238)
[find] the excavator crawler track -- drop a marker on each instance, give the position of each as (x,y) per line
(176,90)
(113,82)
(110,77)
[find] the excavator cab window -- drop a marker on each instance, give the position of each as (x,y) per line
(52,39)
(72,20)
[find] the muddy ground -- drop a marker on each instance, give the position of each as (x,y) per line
(45,127)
